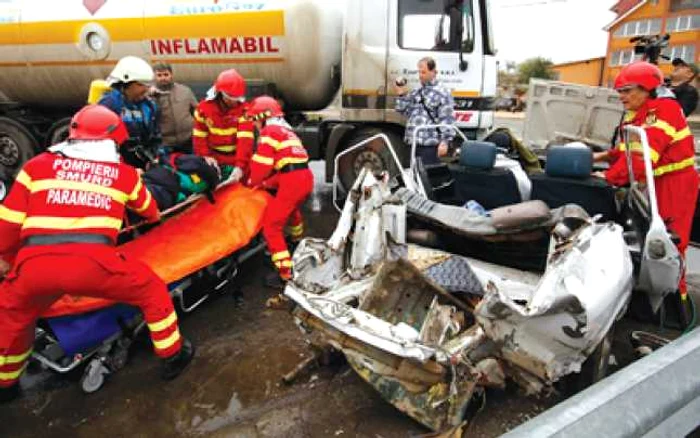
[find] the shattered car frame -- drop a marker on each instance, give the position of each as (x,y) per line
(429,329)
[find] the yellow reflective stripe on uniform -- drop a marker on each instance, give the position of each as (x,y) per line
(224,148)
(13,375)
(18,358)
(284,264)
(274,144)
(296,229)
(245,134)
(48,184)
(24,179)
(280,255)
(290,143)
(277,145)
(222,131)
(290,160)
(636,146)
(199,133)
(163,323)
(14,216)
(146,203)
(63,223)
(167,342)
(263,160)
(134,195)
(199,118)
(630,115)
(673,167)
(670,130)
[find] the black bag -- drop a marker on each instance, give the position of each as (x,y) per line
(163,185)
(193,164)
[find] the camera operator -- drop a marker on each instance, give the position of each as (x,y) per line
(682,85)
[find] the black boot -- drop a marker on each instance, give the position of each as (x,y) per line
(174,365)
(9,394)
(273,281)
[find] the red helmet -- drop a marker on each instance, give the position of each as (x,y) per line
(97,122)
(264,107)
(231,83)
(641,73)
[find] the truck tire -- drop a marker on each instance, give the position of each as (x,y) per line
(17,146)
(373,154)
(58,132)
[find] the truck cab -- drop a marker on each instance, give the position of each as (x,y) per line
(384,40)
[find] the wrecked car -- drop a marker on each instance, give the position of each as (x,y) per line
(430,330)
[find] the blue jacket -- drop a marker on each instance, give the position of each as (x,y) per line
(428,105)
(141,120)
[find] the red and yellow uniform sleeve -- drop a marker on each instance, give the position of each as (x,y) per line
(263,160)
(245,138)
(669,136)
(13,212)
(141,202)
(200,133)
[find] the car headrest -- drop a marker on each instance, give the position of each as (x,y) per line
(569,161)
(478,154)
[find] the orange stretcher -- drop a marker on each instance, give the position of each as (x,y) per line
(188,241)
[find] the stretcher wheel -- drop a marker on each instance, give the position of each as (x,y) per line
(94,376)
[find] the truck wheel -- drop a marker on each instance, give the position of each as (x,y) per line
(16,147)
(373,154)
(58,132)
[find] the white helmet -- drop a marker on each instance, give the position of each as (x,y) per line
(129,69)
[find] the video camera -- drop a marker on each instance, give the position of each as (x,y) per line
(650,46)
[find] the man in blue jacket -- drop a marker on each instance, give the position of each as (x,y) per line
(129,99)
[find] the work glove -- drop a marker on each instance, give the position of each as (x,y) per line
(236,174)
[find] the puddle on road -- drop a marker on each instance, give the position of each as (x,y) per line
(217,421)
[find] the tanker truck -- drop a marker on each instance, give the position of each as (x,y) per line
(308,53)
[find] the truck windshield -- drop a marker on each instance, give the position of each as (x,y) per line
(437,25)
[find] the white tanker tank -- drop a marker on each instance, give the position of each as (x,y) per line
(49,52)
(305,51)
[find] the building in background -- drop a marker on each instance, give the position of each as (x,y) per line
(679,18)
(586,72)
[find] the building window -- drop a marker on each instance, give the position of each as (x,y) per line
(683,23)
(686,53)
(621,57)
(681,5)
(640,27)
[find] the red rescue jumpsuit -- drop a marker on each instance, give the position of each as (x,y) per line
(280,150)
(225,135)
(56,206)
(673,161)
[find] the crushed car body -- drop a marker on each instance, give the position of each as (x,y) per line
(429,329)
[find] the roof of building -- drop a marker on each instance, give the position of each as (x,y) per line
(623,9)
(580,61)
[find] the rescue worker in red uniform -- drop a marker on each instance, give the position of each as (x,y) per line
(672,150)
(221,132)
(280,162)
(58,228)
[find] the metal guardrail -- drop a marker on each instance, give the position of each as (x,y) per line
(657,396)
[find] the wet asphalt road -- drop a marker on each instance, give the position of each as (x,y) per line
(233,388)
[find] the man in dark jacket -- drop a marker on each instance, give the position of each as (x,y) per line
(682,85)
